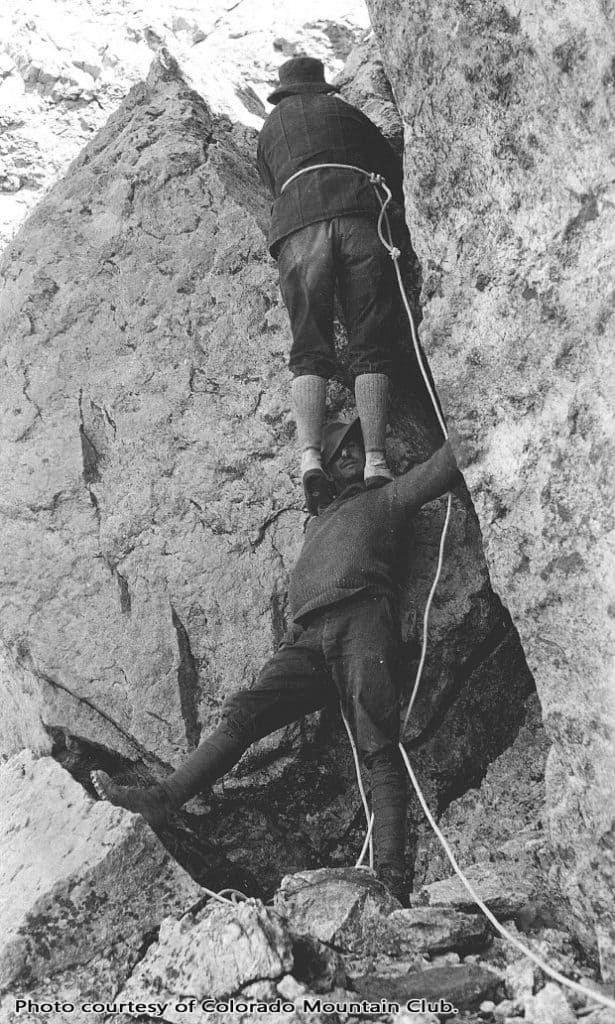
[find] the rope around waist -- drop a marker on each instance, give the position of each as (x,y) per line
(375,179)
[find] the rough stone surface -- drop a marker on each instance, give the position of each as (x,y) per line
(499,895)
(414,1017)
(64,67)
(464,987)
(549,1006)
(20,723)
(364,83)
(152,506)
(602,1016)
(219,952)
(502,824)
(520,979)
(335,906)
(427,930)
(509,188)
(82,885)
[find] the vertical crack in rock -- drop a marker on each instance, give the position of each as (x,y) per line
(278,617)
(125,598)
(261,533)
(188,682)
(89,454)
(27,433)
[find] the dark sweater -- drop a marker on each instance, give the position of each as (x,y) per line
(354,546)
(318,128)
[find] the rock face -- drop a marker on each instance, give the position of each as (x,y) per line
(82,885)
(151,505)
(498,832)
(510,202)
(65,67)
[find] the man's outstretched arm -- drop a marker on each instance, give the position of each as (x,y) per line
(429,480)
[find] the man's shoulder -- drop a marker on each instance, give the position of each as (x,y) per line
(380,495)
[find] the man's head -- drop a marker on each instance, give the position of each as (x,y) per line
(343,454)
(300,74)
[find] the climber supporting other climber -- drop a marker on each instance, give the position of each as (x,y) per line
(324,233)
(342,645)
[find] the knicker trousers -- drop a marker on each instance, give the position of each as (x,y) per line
(344,251)
(347,653)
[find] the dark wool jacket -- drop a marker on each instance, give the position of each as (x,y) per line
(354,546)
(315,128)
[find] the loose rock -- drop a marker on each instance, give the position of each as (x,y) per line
(335,906)
(218,952)
(428,930)
(463,987)
(520,979)
(549,1006)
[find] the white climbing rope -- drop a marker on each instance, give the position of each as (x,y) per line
(514,941)
(369,817)
(378,182)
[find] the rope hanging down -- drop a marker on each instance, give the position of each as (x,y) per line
(378,182)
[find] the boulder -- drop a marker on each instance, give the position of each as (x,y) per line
(462,987)
(602,1016)
(215,954)
(549,1006)
(503,895)
(520,980)
(83,886)
(429,930)
(336,906)
(509,195)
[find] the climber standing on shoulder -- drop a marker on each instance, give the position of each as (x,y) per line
(324,233)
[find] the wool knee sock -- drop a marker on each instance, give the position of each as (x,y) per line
(309,394)
(371,395)
(215,756)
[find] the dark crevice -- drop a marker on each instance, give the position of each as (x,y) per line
(90,458)
(188,682)
(278,617)
(502,632)
(145,754)
(184,836)
(125,599)
(79,756)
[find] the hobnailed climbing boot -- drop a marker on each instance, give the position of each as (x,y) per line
(153,803)
(317,486)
